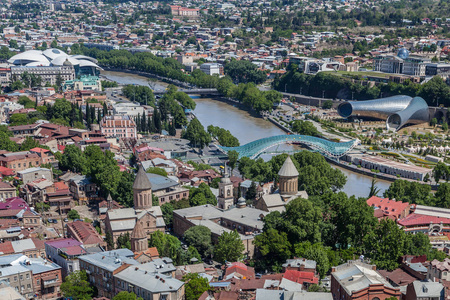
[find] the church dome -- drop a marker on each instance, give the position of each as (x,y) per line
(141,182)
(138,231)
(288,169)
(403,53)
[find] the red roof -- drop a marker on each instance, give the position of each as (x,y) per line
(238,267)
(422,220)
(389,207)
(39,150)
(6,248)
(6,171)
(301,277)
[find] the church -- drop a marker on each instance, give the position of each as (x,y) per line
(139,221)
(288,189)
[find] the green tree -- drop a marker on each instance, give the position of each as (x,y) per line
(274,248)
(233,157)
(29,143)
(73,214)
(196,134)
(124,295)
(167,245)
(77,287)
(124,191)
(327,104)
(73,159)
(445,126)
(314,252)
(229,247)
(408,191)
(385,244)
(305,128)
(443,195)
(200,238)
(195,286)
(202,195)
(123,241)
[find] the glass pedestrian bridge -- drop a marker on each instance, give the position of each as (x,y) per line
(326,147)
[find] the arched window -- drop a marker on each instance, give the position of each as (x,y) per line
(228,193)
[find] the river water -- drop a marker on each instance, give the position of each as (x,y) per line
(248,128)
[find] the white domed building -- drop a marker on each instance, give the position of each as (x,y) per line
(53,62)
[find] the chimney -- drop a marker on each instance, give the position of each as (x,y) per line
(374,267)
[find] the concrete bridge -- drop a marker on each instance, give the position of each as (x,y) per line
(197,91)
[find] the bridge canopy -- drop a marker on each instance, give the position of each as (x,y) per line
(326,147)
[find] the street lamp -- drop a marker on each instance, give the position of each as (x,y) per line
(285,87)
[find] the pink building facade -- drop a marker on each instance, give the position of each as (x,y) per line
(118,126)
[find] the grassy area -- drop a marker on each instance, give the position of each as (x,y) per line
(345,73)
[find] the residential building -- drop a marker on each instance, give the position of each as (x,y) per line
(24,130)
(149,283)
(32,174)
(300,264)
(7,190)
(19,161)
(118,126)
(358,280)
(60,201)
(65,253)
(8,292)
(82,187)
(439,270)
(421,290)
(47,278)
(166,189)
(101,267)
(46,156)
(16,275)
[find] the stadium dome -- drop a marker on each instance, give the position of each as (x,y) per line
(59,61)
(84,57)
(53,53)
(28,57)
(403,53)
(52,57)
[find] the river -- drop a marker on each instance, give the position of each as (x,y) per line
(248,128)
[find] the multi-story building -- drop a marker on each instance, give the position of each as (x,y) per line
(358,280)
(48,74)
(47,278)
(18,276)
(149,283)
(407,65)
(65,253)
(101,267)
(212,68)
(118,126)
(7,190)
(439,270)
(34,173)
(84,83)
(19,161)
(114,271)
(5,76)
(183,11)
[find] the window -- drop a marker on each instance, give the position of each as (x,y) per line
(28,286)
(28,276)
(37,281)
(15,278)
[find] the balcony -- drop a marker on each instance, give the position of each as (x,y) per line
(51,282)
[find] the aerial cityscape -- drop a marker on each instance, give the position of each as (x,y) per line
(239,150)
